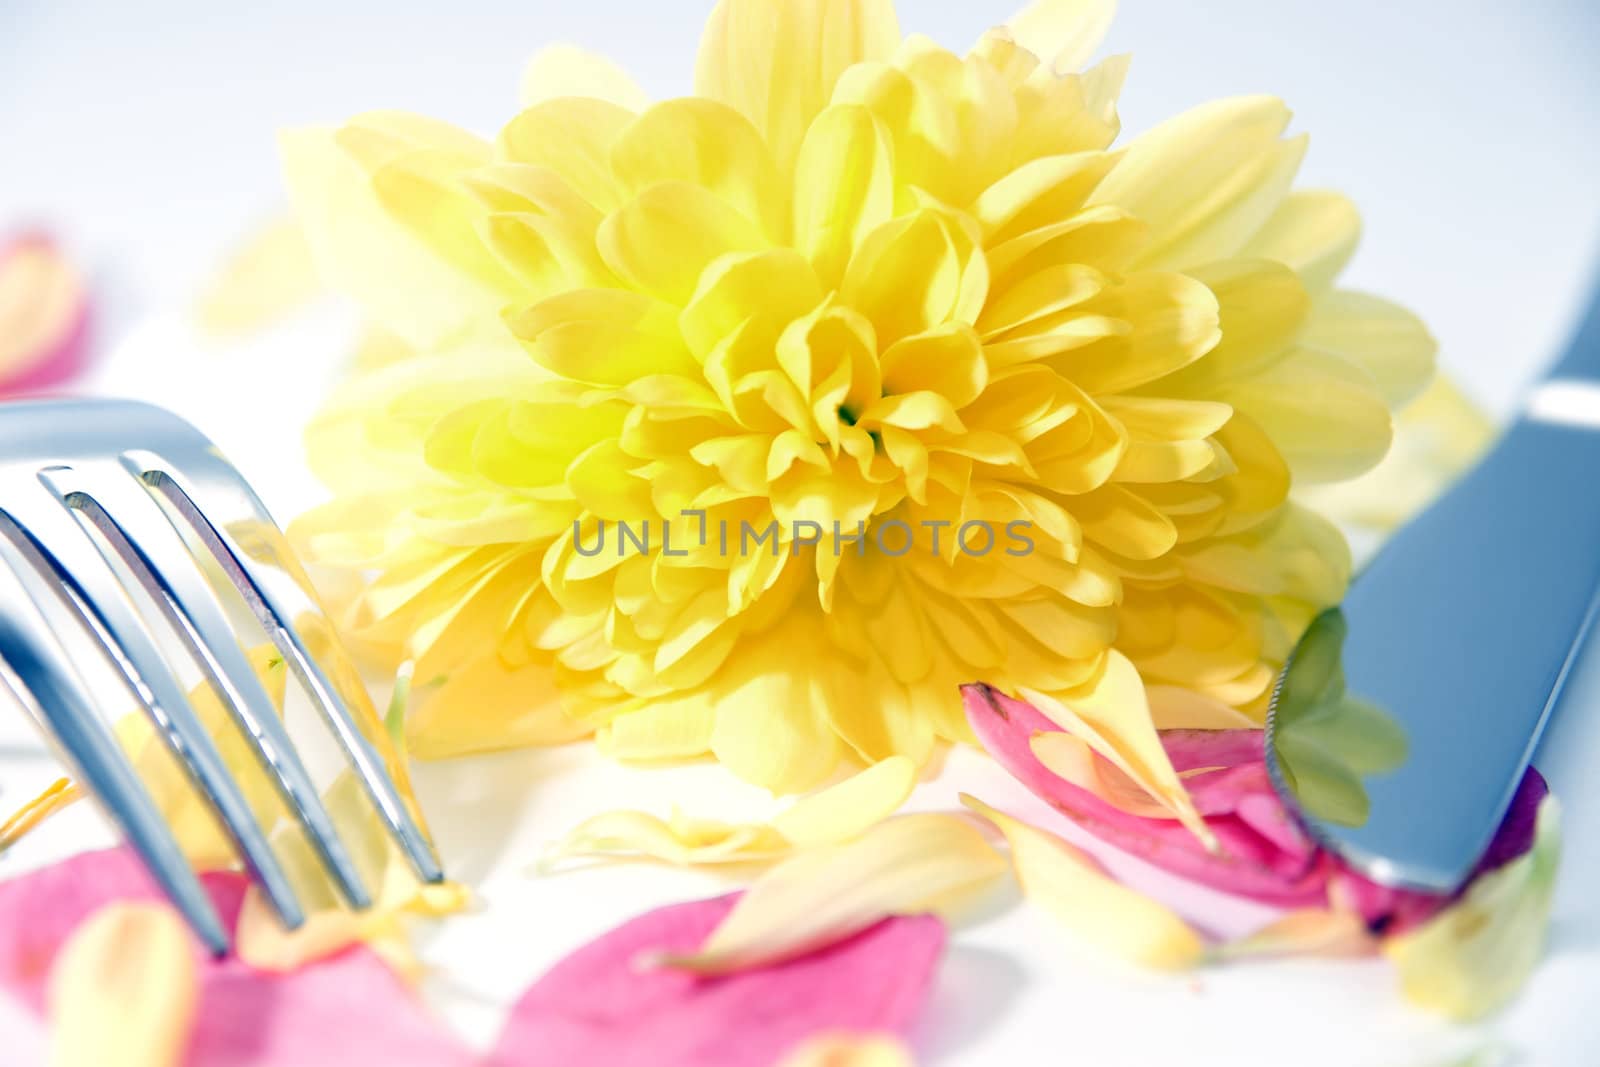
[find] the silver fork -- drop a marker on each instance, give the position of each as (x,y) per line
(106,503)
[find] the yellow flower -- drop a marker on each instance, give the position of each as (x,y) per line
(856,284)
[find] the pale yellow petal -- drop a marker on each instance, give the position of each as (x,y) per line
(1325,414)
(1074,890)
(1063,33)
(847,810)
(664,729)
(1437,437)
(485,706)
(850,1051)
(664,238)
(769,729)
(639,835)
(124,990)
(269,277)
(362,252)
(1313,231)
(1306,932)
(1113,717)
(1207,180)
(1390,343)
(709,145)
(778,63)
(567,70)
(573,137)
(1473,957)
(908,865)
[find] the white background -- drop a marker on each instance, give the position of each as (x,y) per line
(143,133)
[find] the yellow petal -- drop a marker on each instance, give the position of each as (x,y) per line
(1175,708)
(362,252)
(639,835)
(425,191)
(844,187)
(1387,341)
(261,940)
(1306,932)
(778,63)
(850,1051)
(663,729)
(1437,437)
(124,990)
(1063,33)
(486,706)
(60,794)
(1325,415)
(664,238)
(272,275)
(769,729)
(908,865)
(1072,888)
(1113,717)
(566,70)
(707,144)
(913,273)
(1314,232)
(573,137)
(1473,957)
(1207,180)
(850,808)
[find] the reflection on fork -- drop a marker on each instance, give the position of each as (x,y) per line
(108,512)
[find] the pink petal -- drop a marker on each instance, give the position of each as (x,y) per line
(598,1006)
(1266,856)
(44,316)
(1249,864)
(1394,911)
(347,1009)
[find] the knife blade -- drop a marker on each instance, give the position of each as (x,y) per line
(1452,644)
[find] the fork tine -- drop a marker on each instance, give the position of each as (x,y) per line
(73,562)
(142,538)
(42,678)
(278,590)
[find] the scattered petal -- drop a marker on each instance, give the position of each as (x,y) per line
(851,1051)
(124,990)
(1474,956)
(600,1006)
(349,1008)
(1306,932)
(44,316)
(1073,888)
(910,864)
(830,816)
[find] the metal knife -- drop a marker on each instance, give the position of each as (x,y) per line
(1461,631)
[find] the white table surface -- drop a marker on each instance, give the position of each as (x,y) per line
(143,134)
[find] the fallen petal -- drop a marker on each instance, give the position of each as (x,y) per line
(1072,887)
(599,1006)
(124,990)
(350,1008)
(1474,956)
(44,316)
(851,1051)
(910,864)
(1306,932)
(1247,862)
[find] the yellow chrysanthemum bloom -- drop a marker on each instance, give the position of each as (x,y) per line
(857,287)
